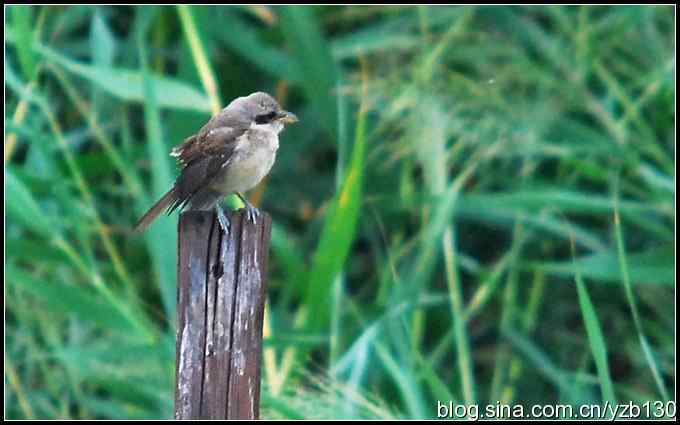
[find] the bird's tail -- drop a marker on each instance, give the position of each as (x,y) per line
(160,206)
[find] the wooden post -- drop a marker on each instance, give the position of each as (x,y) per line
(220,306)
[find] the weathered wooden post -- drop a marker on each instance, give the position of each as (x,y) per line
(221,293)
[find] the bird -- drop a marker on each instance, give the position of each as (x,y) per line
(230,154)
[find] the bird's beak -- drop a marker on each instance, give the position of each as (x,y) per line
(287,117)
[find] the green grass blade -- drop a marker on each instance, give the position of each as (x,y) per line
(565,200)
(119,161)
(598,345)
(313,56)
(23,207)
(630,297)
(546,366)
(102,41)
(653,266)
(465,362)
(405,382)
(71,299)
(161,238)
(23,27)
(249,46)
(205,71)
(338,232)
(129,85)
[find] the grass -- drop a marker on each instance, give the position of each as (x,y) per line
(477,204)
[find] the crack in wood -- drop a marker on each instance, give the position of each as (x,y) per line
(207,342)
(232,320)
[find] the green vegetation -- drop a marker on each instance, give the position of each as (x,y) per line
(477,204)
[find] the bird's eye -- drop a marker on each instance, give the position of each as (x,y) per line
(265,118)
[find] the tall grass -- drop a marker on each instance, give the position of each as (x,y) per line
(477,204)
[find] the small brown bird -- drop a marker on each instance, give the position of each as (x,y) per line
(230,154)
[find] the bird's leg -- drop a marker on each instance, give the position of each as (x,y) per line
(222,218)
(251,211)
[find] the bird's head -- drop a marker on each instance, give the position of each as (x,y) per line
(262,111)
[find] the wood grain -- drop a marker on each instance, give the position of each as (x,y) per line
(221,294)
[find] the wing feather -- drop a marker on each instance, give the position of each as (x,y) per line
(202,157)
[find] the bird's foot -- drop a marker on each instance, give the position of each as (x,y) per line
(252,213)
(222,219)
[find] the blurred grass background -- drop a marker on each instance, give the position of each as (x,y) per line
(477,204)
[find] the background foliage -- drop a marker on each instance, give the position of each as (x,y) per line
(477,204)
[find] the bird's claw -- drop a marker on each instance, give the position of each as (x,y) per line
(222,219)
(252,213)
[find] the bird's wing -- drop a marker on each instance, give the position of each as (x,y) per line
(203,156)
(206,142)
